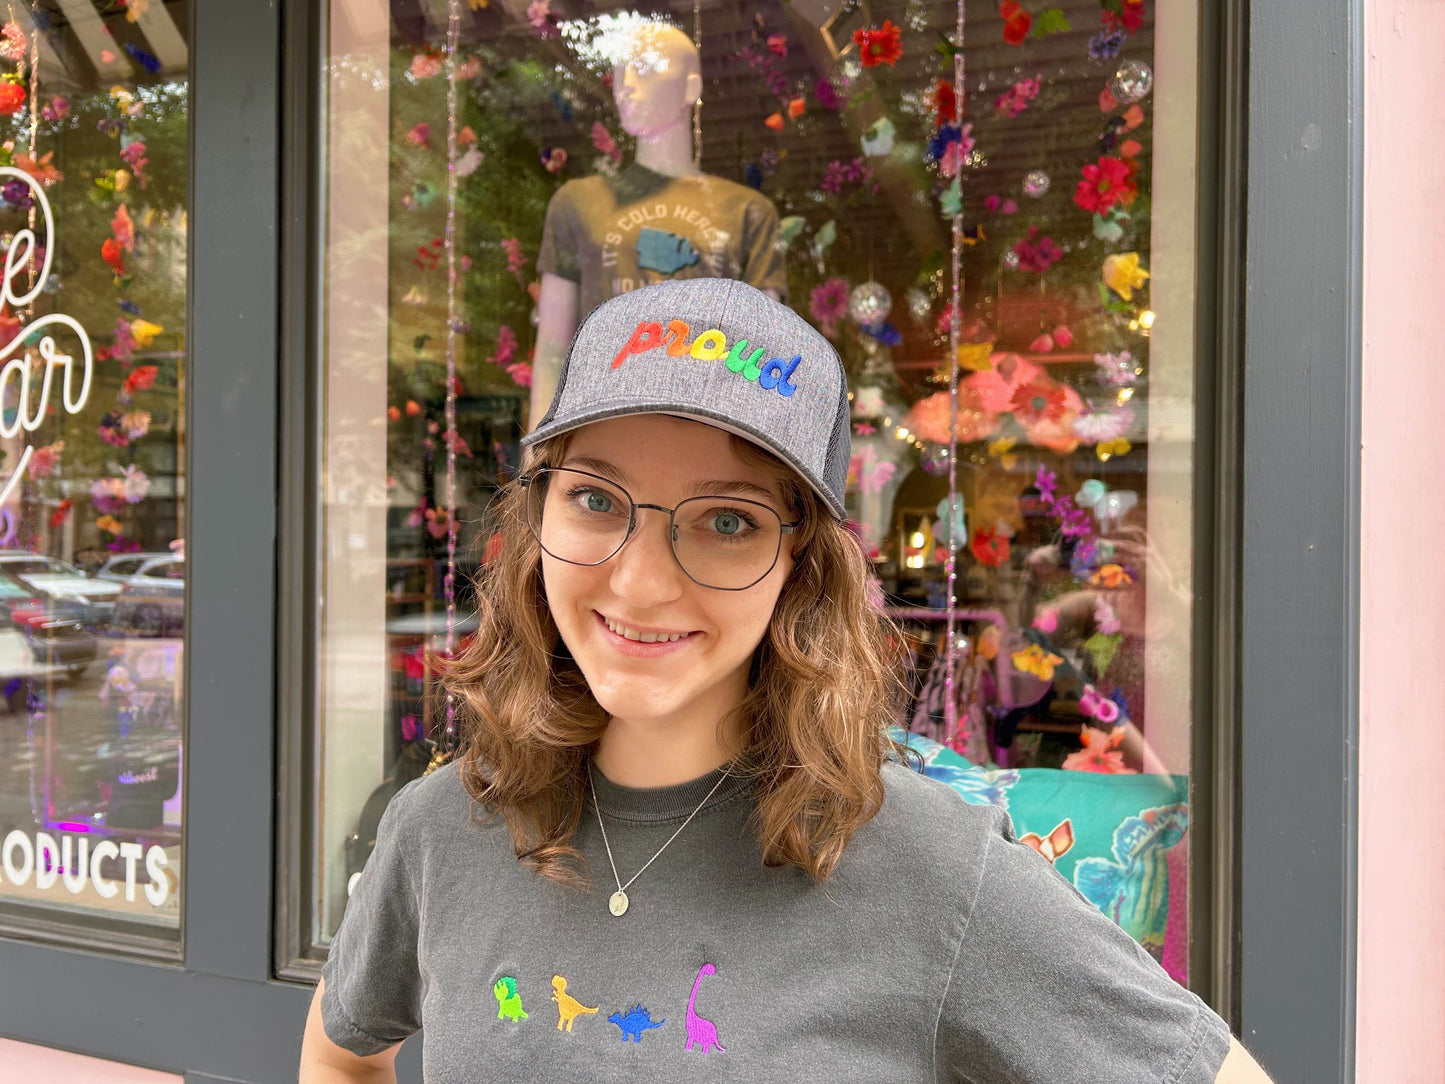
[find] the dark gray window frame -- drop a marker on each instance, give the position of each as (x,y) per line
(1277,568)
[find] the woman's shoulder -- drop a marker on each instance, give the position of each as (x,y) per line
(932,816)
(429,799)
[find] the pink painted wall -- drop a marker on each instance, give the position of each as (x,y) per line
(1400,1021)
(25,1061)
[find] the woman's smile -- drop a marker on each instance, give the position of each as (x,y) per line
(642,642)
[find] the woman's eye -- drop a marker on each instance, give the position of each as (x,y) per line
(727,523)
(598,502)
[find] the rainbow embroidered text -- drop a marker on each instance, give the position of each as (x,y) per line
(710,346)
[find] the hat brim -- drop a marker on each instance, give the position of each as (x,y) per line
(603,410)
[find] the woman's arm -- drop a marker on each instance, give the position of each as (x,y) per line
(1239,1067)
(323,1062)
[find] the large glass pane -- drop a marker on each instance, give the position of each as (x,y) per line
(849,164)
(92,510)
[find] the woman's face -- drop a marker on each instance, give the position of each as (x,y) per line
(663,460)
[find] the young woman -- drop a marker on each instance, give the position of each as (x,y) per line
(676,843)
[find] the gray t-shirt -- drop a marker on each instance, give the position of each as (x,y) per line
(941,949)
(611,235)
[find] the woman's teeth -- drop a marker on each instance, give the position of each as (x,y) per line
(643,637)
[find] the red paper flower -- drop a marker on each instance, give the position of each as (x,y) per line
(111,253)
(1130,16)
(1016,22)
(1037,401)
(61,514)
(12,98)
(989,547)
(1103,185)
(945,102)
(140,378)
(881,46)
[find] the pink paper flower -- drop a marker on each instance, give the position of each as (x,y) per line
(426,65)
(1100,753)
(420,135)
(603,141)
(1116,369)
(828,303)
(1102,425)
(1106,618)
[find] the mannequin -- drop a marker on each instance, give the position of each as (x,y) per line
(659,218)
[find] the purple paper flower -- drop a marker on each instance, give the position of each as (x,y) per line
(826,94)
(1106,44)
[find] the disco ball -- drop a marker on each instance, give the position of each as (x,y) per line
(1132,80)
(1036,183)
(870,303)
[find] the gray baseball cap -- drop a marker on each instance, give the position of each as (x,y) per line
(718,351)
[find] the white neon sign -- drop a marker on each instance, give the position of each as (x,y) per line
(17,368)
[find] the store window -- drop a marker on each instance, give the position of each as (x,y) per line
(93,191)
(1021,213)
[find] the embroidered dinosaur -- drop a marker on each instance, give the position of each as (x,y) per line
(568,1007)
(509,1002)
(634,1022)
(700,1030)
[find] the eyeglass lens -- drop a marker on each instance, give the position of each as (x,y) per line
(722,542)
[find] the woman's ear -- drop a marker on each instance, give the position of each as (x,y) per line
(692,89)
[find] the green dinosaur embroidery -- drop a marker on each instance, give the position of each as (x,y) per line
(509,1002)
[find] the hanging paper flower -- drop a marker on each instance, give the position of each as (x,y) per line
(61,513)
(426,65)
(1106,618)
(1097,707)
(837,174)
(881,46)
(468,163)
(109,524)
(553,159)
(140,378)
(123,229)
(1106,44)
(1034,660)
(113,255)
(538,12)
(1016,99)
(136,423)
(796,108)
(826,94)
(144,332)
(778,43)
(1039,400)
(1002,449)
(1016,22)
(17,194)
(1123,14)
(989,547)
(13,45)
(1108,228)
(134,155)
(1116,369)
(43,460)
(956,153)
(995,204)
(1043,344)
(828,303)
(1037,256)
(1112,576)
(1107,449)
(1100,753)
(944,102)
(1123,275)
(420,135)
(869,473)
(929,417)
(12,98)
(1104,425)
(521,374)
(1104,184)
(134,484)
(604,142)
(146,60)
(506,346)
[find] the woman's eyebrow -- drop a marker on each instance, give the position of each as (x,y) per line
(598,466)
(735,487)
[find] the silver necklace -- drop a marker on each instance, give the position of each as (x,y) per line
(617,904)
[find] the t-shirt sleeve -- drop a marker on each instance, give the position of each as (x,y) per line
(766,267)
(1045,988)
(372,999)
(558,253)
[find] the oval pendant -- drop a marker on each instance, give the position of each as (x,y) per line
(618,903)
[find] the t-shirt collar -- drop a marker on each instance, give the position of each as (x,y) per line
(665,803)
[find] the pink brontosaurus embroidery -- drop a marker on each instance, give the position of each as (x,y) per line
(700,1030)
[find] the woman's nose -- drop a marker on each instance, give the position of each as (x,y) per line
(645,573)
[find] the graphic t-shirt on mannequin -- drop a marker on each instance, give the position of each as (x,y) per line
(611,235)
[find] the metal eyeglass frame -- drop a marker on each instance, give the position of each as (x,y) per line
(526,480)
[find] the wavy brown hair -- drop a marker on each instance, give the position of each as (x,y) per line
(824,686)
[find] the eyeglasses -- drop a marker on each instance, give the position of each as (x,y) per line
(725,543)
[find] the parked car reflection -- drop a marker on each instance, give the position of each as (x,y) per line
(152,602)
(64,588)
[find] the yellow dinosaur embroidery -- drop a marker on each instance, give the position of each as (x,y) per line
(568,1007)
